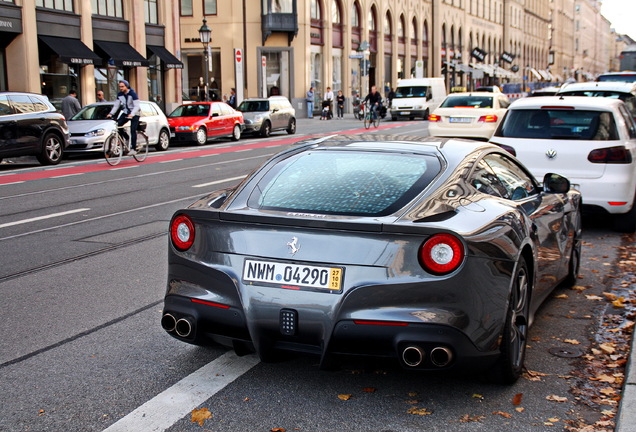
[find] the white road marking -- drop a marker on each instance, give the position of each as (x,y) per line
(170,161)
(171,405)
(23,221)
(219,181)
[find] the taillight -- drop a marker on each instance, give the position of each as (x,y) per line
(182,232)
(441,254)
(434,118)
(491,118)
(610,155)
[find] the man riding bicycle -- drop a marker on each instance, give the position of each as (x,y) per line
(129,101)
(375,100)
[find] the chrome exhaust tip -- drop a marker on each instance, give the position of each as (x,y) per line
(183,328)
(413,356)
(168,322)
(441,356)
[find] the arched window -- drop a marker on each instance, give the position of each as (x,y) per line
(315,11)
(355,15)
(335,12)
(388,25)
(400,30)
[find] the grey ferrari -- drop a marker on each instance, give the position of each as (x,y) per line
(436,252)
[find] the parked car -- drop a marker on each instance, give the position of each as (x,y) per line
(30,126)
(468,115)
(545,91)
(592,141)
(625,76)
(90,127)
(624,91)
(263,116)
(201,121)
(435,252)
(417,97)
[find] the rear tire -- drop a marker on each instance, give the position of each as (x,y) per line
(291,129)
(52,150)
(236,133)
(164,141)
(113,149)
(142,153)
(202,136)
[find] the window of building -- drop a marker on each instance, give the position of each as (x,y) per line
(65,5)
(335,12)
(387,24)
(355,16)
(111,8)
(272,6)
(209,6)
(315,10)
(186,7)
(150,11)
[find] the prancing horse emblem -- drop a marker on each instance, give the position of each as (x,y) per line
(293,245)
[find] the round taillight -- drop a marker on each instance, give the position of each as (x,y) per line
(182,232)
(441,254)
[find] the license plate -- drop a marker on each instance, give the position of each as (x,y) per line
(405,112)
(293,276)
(72,142)
(459,119)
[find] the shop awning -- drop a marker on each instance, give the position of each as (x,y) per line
(71,51)
(536,74)
(166,56)
(122,54)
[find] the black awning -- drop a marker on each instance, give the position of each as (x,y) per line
(166,56)
(71,51)
(122,54)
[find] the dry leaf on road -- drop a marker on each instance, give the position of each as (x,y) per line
(200,415)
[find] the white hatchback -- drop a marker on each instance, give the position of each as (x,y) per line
(468,115)
(591,141)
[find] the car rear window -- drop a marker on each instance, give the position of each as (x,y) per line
(618,77)
(345,182)
(566,124)
(191,110)
(467,102)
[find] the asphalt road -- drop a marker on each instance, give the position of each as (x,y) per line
(82,277)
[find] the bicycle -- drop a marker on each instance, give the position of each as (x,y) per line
(370,116)
(116,144)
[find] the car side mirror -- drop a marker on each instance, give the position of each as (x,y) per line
(275,110)
(554,183)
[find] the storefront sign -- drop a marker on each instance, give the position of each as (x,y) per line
(479,54)
(507,57)
(131,63)
(81,61)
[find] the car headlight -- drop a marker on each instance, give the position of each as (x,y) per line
(418,107)
(259,118)
(185,128)
(96,132)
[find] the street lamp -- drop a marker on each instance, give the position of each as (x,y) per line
(204,35)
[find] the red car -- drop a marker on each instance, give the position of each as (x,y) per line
(202,121)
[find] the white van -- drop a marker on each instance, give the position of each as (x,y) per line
(417,97)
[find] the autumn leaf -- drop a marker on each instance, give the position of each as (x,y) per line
(531,375)
(369,390)
(520,409)
(608,348)
(41,412)
(478,396)
(610,296)
(503,414)
(608,391)
(412,394)
(604,378)
(572,341)
(553,420)
(419,411)
(344,397)
(278,430)
(516,401)
(466,418)
(200,415)
(556,398)
(593,297)
(578,288)
(412,401)
(619,302)
(561,296)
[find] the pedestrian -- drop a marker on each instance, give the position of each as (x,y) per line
(70,105)
(329,98)
(100,96)
(390,96)
(232,100)
(130,108)
(340,101)
(310,102)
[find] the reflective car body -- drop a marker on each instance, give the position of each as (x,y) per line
(625,91)
(30,126)
(263,116)
(90,127)
(201,121)
(468,115)
(590,140)
(374,246)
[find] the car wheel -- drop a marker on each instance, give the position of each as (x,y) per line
(164,141)
(626,222)
(292,127)
(515,332)
(202,136)
(393,118)
(52,150)
(236,133)
(266,129)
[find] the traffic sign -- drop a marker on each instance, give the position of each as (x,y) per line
(239,55)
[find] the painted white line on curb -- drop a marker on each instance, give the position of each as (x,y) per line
(23,221)
(218,181)
(171,405)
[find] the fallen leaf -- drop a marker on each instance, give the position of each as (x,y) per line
(246,399)
(520,409)
(369,390)
(553,420)
(608,348)
(561,296)
(604,378)
(578,288)
(556,398)
(608,391)
(412,394)
(412,402)
(278,430)
(516,401)
(531,375)
(200,415)
(593,297)
(572,341)
(610,296)
(41,412)
(478,396)
(548,424)
(619,302)
(419,411)
(503,414)
(467,418)
(344,397)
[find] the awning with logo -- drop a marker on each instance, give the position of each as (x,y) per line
(122,54)
(166,56)
(71,51)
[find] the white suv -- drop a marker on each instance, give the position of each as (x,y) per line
(589,140)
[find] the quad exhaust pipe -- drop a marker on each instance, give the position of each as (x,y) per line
(182,327)
(414,356)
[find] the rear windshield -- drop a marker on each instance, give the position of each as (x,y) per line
(93,112)
(345,182)
(567,124)
(597,93)
(191,110)
(414,91)
(253,106)
(618,77)
(467,102)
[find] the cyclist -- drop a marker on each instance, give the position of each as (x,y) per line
(375,100)
(129,101)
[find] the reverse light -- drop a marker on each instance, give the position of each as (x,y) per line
(182,232)
(434,118)
(610,155)
(491,118)
(441,254)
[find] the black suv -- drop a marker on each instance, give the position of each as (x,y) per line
(30,126)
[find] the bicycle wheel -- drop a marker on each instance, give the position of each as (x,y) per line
(376,120)
(142,147)
(113,149)
(367,121)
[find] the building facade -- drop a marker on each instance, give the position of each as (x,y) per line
(54,46)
